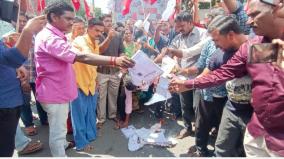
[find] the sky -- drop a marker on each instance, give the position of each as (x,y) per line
(103,4)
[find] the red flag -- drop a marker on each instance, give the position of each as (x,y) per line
(177,10)
(40,5)
(24,5)
(76,4)
(87,10)
(153,1)
(126,7)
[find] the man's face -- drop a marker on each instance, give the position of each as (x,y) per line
(95,32)
(22,22)
(184,27)
(107,22)
(64,22)
(261,18)
(224,42)
(78,29)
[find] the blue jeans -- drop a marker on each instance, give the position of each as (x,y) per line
(21,141)
(26,112)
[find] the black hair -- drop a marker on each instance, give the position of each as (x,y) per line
(58,8)
(119,24)
(183,17)
(79,20)
(95,21)
(105,16)
(225,24)
(24,15)
(128,28)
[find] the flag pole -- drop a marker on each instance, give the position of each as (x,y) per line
(18,18)
(33,10)
(93,3)
(143,6)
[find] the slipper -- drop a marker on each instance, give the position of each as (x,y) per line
(71,144)
(31,148)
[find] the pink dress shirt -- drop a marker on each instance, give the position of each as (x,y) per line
(55,83)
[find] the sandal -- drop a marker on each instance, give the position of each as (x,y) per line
(31,148)
(31,131)
(99,125)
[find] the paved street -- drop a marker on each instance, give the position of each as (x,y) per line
(112,143)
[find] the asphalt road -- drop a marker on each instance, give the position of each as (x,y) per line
(112,143)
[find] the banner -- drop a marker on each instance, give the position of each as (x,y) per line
(136,11)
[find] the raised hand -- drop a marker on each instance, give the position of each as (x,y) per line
(36,24)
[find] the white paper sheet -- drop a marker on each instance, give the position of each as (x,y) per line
(146,26)
(137,138)
(162,93)
(145,70)
(168,65)
(129,131)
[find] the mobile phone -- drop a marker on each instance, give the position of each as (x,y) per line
(264,53)
(271,2)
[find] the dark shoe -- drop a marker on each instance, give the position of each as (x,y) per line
(184,133)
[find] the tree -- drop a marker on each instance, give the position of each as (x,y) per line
(98,12)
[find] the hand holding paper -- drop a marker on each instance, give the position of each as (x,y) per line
(145,70)
(177,85)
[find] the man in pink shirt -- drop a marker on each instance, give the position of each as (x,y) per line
(55,83)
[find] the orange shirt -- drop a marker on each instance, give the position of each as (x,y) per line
(86,74)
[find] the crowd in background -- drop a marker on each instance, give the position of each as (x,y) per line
(77,71)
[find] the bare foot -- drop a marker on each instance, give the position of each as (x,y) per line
(88,148)
(123,124)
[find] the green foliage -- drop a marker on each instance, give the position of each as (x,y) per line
(202,5)
(98,12)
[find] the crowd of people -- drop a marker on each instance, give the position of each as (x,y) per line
(78,72)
